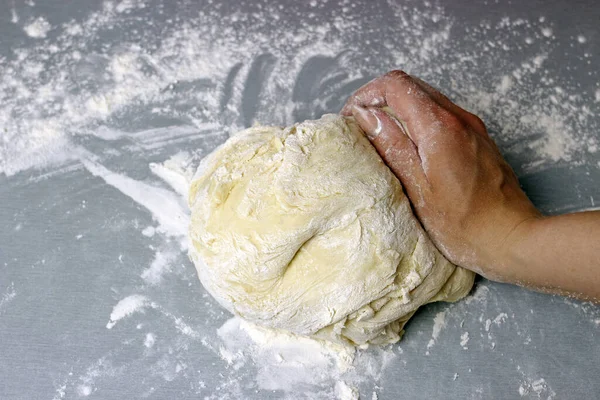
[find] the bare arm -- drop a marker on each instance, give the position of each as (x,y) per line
(466,195)
(556,254)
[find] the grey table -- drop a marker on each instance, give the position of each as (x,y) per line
(134,83)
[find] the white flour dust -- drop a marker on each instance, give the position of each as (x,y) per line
(536,388)
(439,322)
(126,307)
(284,361)
(218,70)
(161,265)
(7,296)
(165,206)
(37,28)
(76,97)
(298,367)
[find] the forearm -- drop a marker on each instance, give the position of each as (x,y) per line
(555,254)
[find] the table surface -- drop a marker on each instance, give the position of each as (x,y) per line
(133,83)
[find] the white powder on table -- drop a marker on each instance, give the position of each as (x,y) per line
(536,387)
(439,322)
(7,296)
(125,307)
(149,340)
(165,206)
(464,339)
(161,264)
(298,366)
(37,28)
(285,361)
(53,93)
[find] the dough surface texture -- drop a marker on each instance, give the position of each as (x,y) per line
(306,229)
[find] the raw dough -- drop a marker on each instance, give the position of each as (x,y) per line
(305,229)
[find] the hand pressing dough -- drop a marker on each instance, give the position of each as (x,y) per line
(305,229)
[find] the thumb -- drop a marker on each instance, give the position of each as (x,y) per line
(393,144)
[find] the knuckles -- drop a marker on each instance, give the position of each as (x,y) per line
(477,123)
(397,74)
(450,121)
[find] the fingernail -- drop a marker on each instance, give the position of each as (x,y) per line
(368,121)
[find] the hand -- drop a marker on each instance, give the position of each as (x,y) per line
(464,193)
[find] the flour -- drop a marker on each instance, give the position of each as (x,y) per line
(586,309)
(500,318)
(345,392)
(7,296)
(55,92)
(126,307)
(166,207)
(464,339)
(149,340)
(176,171)
(38,28)
(137,303)
(285,361)
(160,265)
(536,387)
(296,366)
(439,322)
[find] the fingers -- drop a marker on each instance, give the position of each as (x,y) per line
(398,91)
(418,104)
(371,94)
(396,148)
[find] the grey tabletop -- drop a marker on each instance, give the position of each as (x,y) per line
(105,105)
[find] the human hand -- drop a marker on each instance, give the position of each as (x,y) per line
(462,190)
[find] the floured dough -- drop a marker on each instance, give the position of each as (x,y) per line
(305,229)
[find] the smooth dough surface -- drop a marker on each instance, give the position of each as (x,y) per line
(305,229)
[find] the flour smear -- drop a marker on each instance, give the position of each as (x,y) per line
(217,69)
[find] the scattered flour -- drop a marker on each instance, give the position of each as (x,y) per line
(84,390)
(160,265)
(14,17)
(177,171)
(585,309)
(166,207)
(464,339)
(38,28)
(200,71)
(536,387)
(439,322)
(345,392)
(8,296)
(137,303)
(297,366)
(547,32)
(500,319)
(149,340)
(285,361)
(149,231)
(126,307)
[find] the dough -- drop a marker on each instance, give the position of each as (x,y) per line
(305,229)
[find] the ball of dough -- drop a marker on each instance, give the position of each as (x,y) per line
(306,229)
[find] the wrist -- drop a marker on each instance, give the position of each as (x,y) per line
(506,263)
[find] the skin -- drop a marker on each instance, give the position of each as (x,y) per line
(467,196)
